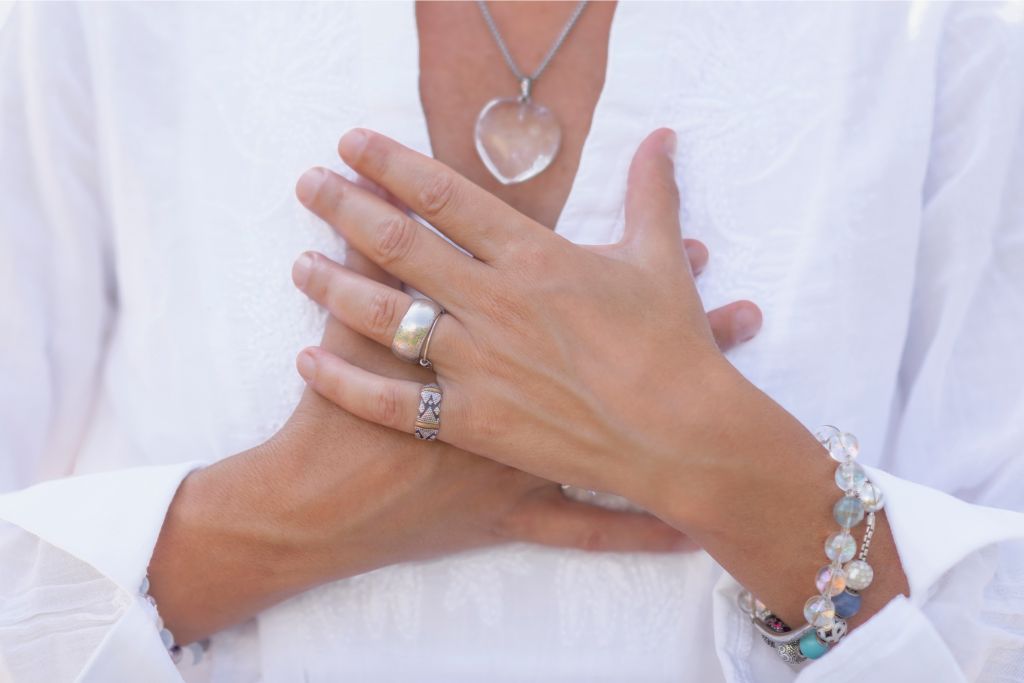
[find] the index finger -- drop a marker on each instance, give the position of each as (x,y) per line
(472,217)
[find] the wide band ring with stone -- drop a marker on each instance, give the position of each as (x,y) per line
(414,329)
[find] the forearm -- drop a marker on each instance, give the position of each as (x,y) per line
(255,529)
(223,553)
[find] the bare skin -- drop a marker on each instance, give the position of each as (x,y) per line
(331,495)
(537,372)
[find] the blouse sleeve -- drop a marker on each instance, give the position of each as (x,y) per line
(959,419)
(73,550)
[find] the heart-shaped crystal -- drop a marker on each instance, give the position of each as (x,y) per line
(516,139)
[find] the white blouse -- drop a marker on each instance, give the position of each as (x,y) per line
(857,169)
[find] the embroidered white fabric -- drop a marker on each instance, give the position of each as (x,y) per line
(857,169)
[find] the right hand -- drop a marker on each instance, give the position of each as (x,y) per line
(331,496)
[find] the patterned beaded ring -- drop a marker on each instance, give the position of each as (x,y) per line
(840,581)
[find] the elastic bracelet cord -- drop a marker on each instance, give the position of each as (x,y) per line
(840,582)
(177,652)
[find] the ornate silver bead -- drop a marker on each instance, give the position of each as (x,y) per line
(835,634)
(790,653)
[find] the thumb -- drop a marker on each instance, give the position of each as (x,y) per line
(652,201)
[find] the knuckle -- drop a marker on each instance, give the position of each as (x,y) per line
(395,238)
(437,195)
(380,314)
(386,410)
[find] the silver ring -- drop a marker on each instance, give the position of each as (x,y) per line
(424,361)
(428,417)
(412,332)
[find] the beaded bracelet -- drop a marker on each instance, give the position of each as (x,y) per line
(839,583)
(196,649)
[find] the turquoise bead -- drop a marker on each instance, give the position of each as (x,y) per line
(846,603)
(811,646)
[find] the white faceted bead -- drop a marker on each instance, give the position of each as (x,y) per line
(820,612)
(196,650)
(850,476)
(871,497)
(848,512)
(167,638)
(840,547)
(859,575)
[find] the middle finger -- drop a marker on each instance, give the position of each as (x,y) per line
(390,238)
(371,308)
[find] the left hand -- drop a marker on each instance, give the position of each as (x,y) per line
(590,365)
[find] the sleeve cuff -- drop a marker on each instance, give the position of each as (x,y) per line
(110,520)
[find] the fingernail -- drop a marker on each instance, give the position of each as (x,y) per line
(352,143)
(306,365)
(747,323)
(309,184)
(301,269)
(670,142)
(694,254)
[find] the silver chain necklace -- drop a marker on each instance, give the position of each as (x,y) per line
(516,137)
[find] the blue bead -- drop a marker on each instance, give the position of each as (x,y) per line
(846,603)
(811,646)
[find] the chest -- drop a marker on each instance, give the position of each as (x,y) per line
(800,164)
(461,69)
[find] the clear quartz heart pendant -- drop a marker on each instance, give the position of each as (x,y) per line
(516,138)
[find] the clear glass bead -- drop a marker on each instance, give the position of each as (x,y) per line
(850,444)
(850,476)
(842,446)
(820,612)
(859,575)
(848,512)
(840,547)
(830,580)
(871,497)
(826,434)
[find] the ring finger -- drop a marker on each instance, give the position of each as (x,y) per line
(385,401)
(371,308)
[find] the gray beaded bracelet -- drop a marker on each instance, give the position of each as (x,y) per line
(177,652)
(839,583)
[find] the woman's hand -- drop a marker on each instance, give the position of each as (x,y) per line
(332,496)
(594,366)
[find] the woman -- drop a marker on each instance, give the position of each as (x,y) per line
(826,155)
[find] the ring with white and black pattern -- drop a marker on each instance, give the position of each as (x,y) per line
(428,416)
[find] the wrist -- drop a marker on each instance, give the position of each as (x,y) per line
(732,443)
